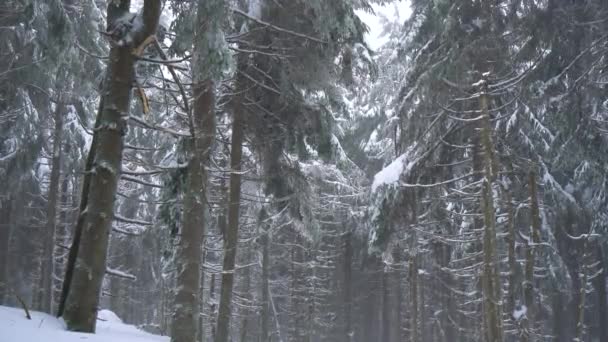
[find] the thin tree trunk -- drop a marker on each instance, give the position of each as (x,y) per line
(511,257)
(491,279)
(532,241)
(51,212)
(246,290)
(5,234)
(386,307)
(580,314)
(265,315)
(348,259)
(212,323)
(413,266)
(600,287)
(231,241)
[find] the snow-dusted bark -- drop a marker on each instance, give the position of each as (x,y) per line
(185,323)
(82,300)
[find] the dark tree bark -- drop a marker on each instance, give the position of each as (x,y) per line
(84,197)
(600,286)
(265,315)
(231,236)
(51,212)
(348,260)
(82,300)
(5,233)
(490,279)
(530,256)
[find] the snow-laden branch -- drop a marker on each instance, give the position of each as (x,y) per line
(120,274)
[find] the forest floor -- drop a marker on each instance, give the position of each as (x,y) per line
(15,327)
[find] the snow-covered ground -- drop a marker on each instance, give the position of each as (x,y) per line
(14,327)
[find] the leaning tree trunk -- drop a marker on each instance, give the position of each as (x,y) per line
(234,205)
(51,212)
(82,212)
(82,300)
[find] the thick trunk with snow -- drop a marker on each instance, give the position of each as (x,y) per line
(82,301)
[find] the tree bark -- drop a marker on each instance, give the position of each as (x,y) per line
(491,277)
(231,240)
(185,320)
(84,197)
(580,314)
(82,300)
(51,212)
(600,287)
(532,241)
(348,260)
(265,240)
(386,307)
(5,234)
(413,268)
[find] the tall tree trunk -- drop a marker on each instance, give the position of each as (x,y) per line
(413,273)
(584,276)
(82,300)
(185,319)
(213,306)
(491,278)
(51,212)
(234,206)
(398,329)
(82,212)
(600,287)
(413,281)
(5,234)
(348,260)
(511,257)
(231,236)
(265,315)
(532,241)
(246,296)
(185,325)
(386,307)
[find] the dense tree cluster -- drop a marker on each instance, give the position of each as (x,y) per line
(250,170)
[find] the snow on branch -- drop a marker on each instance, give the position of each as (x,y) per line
(120,274)
(395,170)
(122,219)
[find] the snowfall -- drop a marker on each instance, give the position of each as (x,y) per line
(15,327)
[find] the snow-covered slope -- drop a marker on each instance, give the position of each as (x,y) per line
(14,327)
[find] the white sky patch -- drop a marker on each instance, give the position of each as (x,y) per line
(398,11)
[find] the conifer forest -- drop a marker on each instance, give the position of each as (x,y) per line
(307,170)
